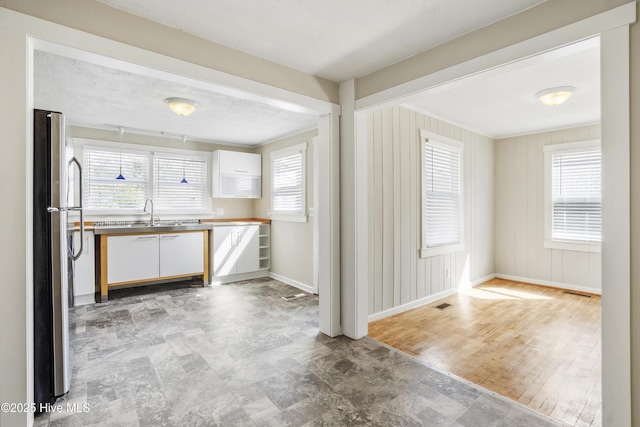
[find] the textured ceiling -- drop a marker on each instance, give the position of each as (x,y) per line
(102,97)
(334,39)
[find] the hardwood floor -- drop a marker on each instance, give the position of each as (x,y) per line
(539,346)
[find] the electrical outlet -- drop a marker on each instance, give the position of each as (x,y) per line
(220,211)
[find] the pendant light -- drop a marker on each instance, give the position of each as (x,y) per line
(120,176)
(184,144)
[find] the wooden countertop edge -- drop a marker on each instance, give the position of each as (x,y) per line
(89,224)
(260,220)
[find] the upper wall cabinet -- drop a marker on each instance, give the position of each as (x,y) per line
(237,175)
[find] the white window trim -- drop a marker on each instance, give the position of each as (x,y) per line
(549,242)
(436,139)
(80,143)
(280,216)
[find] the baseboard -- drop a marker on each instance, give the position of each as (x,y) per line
(428,299)
(480,281)
(413,304)
(550,284)
(84,299)
(292,282)
(239,277)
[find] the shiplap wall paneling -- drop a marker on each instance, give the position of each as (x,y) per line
(405,211)
(370,219)
(519,214)
(387,209)
(399,275)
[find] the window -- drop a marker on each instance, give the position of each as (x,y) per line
(573,196)
(103,191)
(288,184)
(147,173)
(169,190)
(442,229)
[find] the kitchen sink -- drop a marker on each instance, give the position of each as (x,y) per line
(148,228)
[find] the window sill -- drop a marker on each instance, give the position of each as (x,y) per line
(288,217)
(569,245)
(441,250)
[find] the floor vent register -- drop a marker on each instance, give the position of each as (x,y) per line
(294,297)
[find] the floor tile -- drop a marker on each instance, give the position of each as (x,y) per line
(239,355)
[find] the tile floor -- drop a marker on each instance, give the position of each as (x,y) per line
(239,355)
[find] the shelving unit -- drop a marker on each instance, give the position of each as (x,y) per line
(264,247)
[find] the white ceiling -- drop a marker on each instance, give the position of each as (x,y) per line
(98,96)
(501,102)
(333,38)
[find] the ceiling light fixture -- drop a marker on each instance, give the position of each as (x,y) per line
(181,106)
(555,95)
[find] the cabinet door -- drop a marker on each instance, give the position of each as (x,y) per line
(132,258)
(84,270)
(224,262)
(238,163)
(247,249)
(181,253)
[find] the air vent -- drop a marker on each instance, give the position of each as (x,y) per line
(443,306)
(294,297)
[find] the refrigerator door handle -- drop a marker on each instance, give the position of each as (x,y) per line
(79,208)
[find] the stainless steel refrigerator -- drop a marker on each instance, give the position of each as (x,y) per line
(53,256)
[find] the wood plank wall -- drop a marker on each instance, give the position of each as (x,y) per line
(398,275)
(519,214)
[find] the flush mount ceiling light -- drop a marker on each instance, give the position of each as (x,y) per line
(181,106)
(555,95)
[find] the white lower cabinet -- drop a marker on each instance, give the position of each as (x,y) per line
(142,257)
(181,253)
(84,287)
(133,258)
(235,249)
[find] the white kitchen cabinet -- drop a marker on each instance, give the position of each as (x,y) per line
(181,253)
(236,174)
(133,258)
(84,270)
(235,249)
(148,257)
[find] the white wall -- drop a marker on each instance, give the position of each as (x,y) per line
(16,228)
(519,215)
(399,278)
(291,242)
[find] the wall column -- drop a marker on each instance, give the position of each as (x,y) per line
(354,203)
(616,228)
(16,228)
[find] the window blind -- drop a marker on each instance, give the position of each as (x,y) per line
(169,191)
(288,184)
(576,195)
(441,195)
(103,191)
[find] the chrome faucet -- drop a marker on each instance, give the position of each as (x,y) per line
(152,221)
